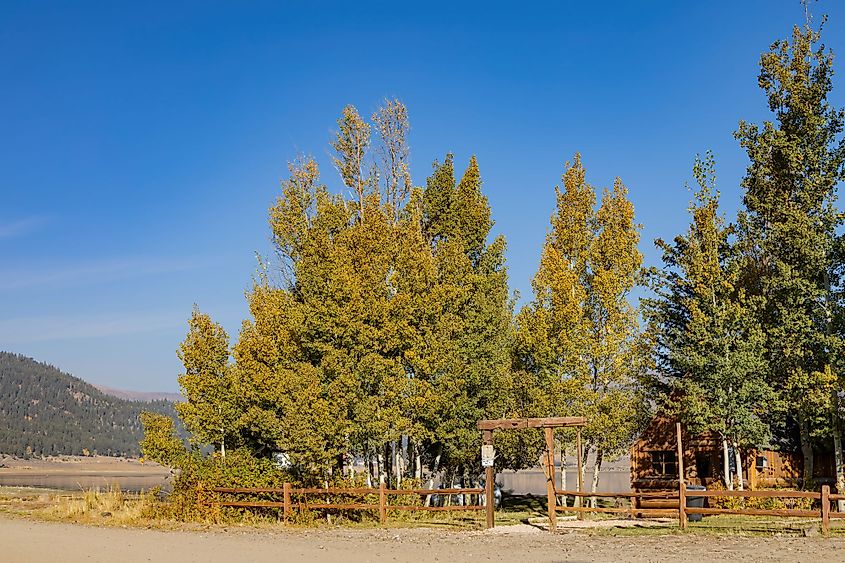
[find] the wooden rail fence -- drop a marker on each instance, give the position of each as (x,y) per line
(287,504)
(297,498)
(682,511)
(631,496)
(824,498)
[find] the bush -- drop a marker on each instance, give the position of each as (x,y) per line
(196,474)
(757,503)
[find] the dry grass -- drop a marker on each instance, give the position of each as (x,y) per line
(111,506)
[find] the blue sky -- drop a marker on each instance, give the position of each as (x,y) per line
(143,142)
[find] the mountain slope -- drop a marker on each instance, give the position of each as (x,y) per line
(44,411)
(140,395)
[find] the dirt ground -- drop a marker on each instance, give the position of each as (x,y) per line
(30,541)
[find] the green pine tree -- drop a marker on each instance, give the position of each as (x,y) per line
(789,228)
(710,345)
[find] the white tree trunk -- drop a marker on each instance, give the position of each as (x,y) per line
(596,469)
(397,464)
(840,467)
(431,487)
(738,458)
(586,449)
(563,501)
(726,465)
(405,454)
(372,468)
(380,466)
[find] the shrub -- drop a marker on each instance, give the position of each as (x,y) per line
(758,503)
(196,474)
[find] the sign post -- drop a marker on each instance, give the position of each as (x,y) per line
(488,457)
(488,454)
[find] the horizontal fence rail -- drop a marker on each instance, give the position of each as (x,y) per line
(678,497)
(824,498)
(288,503)
(681,511)
(632,510)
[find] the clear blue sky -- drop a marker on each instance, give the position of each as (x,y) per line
(143,142)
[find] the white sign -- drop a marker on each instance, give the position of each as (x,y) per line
(488,454)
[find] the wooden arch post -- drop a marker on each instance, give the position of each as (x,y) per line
(548,425)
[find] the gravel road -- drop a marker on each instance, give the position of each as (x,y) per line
(23,540)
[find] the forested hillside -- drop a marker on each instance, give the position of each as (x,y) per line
(44,411)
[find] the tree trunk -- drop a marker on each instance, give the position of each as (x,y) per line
(411,451)
(380,466)
(738,458)
(388,463)
(397,464)
(435,466)
(586,455)
(417,462)
(726,465)
(563,501)
(840,467)
(430,487)
(806,449)
(405,454)
(368,463)
(596,469)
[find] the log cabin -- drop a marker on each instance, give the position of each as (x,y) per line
(654,461)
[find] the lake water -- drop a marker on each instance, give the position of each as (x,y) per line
(130,482)
(527,481)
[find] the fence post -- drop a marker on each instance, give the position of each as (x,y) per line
(825,509)
(579,498)
(489,484)
(633,501)
(287,507)
(682,486)
(382,504)
(551,497)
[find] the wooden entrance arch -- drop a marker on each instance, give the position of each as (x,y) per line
(548,425)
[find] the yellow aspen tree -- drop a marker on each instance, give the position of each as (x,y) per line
(351,144)
(579,339)
(209,410)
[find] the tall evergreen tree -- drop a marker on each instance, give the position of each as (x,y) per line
(474,352)
(790,223)
(710,346)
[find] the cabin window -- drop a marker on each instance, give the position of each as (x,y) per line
(664,463)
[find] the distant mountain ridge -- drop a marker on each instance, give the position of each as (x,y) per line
(143,396)
(44,411)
